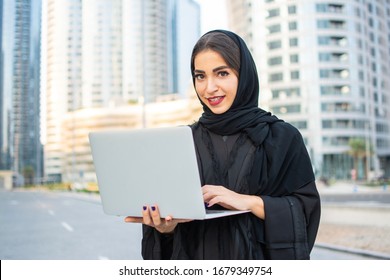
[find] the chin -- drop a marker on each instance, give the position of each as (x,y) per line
(218,111)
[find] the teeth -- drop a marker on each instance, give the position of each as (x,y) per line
(215,98)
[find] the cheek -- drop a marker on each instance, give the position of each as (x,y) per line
(232,92)
(199,89)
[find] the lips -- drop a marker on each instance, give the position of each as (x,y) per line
(215,100)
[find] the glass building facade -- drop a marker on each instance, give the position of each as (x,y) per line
(21,148)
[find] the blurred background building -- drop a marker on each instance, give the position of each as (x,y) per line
(20,145)
(324,66)
(110,54)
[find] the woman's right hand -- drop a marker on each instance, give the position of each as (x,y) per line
(151,217)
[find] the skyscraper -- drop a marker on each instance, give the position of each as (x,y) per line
(107,53)
(324,67)
(183,32)
(2,123)
(21,149)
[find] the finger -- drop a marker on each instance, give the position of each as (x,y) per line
(155,213)
(133,220)
(207,188)
(146,216)
(207,197)
(182,220)
(212,201)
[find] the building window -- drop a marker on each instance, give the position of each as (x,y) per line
(274,44)
(361,76)
(277,60)
(334,73)
(342,124)
(330,24)
(383,143)
(286,93)
(338,107)
(323,40)
(276,77)
(292,10)
(273,13)
(335,141)
(294,58)
(293,42)
(292,25)
(294,75)
(299,124)
(334,57)
(329,8)
(324,57)
(360,59)
(335,90)
(362,92)
(288,109)
(337,41)
(274,28)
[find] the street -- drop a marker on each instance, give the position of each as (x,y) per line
(41,225)
(66,226)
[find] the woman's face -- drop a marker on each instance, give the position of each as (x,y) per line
(215,82)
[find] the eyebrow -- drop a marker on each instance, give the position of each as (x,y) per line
(214,70)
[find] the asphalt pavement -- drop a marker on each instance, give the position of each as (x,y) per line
(41,225)
(62,226)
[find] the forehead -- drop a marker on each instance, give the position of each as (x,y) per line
(208,58)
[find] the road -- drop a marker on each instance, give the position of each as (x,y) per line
(40,225)
(66,226)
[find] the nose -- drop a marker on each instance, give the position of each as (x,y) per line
(212,86)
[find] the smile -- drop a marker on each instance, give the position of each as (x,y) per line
(214,101)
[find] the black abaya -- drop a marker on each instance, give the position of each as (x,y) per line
(262,156)
(288,231)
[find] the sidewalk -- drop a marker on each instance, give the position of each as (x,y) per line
(342,187)
(359,227)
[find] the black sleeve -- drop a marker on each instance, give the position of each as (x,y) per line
(156,245)
(291,223)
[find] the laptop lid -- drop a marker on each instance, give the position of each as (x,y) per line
(150,166)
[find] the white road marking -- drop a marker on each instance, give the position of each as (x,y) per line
(67,226)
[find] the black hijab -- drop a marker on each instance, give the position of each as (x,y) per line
(244,113)
(245,116)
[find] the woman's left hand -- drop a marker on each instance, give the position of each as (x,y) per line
(231,200)
(151,217)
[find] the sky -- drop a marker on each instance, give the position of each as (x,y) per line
(213,15)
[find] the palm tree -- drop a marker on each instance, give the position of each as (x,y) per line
(358,150)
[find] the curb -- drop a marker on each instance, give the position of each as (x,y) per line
(367,253)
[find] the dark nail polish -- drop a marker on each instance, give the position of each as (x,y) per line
(144,208)
(153,208)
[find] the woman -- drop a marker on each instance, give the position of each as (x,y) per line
(248,160)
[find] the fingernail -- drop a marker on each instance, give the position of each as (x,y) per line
(153,208)
(145,208)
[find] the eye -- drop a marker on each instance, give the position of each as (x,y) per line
(223,73)
(199,76)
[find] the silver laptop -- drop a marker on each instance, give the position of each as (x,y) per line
(144,167)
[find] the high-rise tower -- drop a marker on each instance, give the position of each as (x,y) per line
(324,67)
(21,149)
